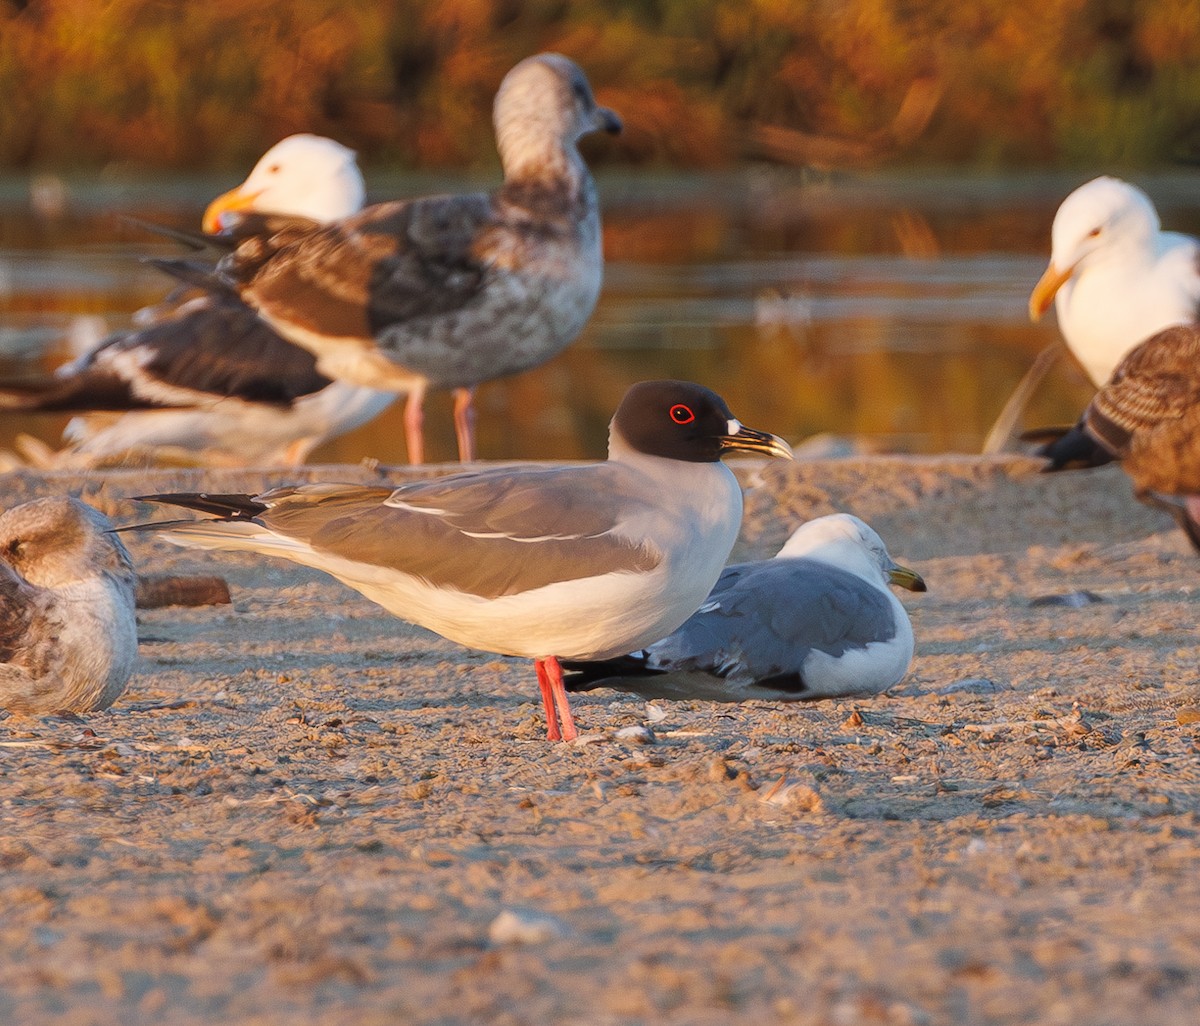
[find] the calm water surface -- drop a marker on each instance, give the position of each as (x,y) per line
(888,310)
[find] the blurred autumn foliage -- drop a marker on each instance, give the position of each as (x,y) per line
(183,83)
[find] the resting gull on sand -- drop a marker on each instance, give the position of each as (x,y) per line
(203,377)
(447,292)
(1148,417)
(1114,277)
(68,632)
(583,561)
(816,621)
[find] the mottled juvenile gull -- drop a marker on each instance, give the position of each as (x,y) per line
(584,561)
(1148,417)
(817,621)
(204,375)
(1114,277)
(68,633)
(447,292)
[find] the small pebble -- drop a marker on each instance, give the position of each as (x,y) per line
(637,735)
(525,927)
(655,713)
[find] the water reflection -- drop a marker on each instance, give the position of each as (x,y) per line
(888,310)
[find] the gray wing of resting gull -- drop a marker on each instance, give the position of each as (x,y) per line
(1114,277)
(68,630)
(450,291)
(582,561)
(791,628)
(204,372)
(1148,417)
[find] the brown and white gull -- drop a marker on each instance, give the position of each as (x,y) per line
(1147,417)
(816,621)
(447,292)
(203,377)
(583,561)
(68,630)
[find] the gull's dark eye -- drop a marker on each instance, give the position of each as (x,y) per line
(1093,233)
(274,169)
(682,414)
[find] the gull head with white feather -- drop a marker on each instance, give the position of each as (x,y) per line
(300,176)
(680,420)
(843,540)
(1102,217)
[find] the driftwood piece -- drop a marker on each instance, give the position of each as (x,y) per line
(157,590)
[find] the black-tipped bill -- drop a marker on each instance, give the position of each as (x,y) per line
(743,439)
(903,577)
(608,121)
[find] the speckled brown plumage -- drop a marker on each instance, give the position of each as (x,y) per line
(1148,415)
(448,292)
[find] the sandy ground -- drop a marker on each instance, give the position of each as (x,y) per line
(304,811)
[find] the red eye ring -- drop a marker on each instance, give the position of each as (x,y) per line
(682,414)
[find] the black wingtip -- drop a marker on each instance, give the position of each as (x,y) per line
(1072,448)
(585,675)
(198,275)
(225,505)
(87,390)
(192,240)
(152,525)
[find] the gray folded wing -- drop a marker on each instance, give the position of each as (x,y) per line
(763,620)
(491,534)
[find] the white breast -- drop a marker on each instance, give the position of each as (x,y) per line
(1106,310)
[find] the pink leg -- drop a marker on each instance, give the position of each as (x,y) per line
(546,687)
(554,672)
(414,426)
(297,452)
(464,423)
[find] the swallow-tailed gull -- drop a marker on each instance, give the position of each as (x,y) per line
(447,292)
(1115,277)
(204,376)
(817,621)
(584,561)
(1148,417)
(68,632)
